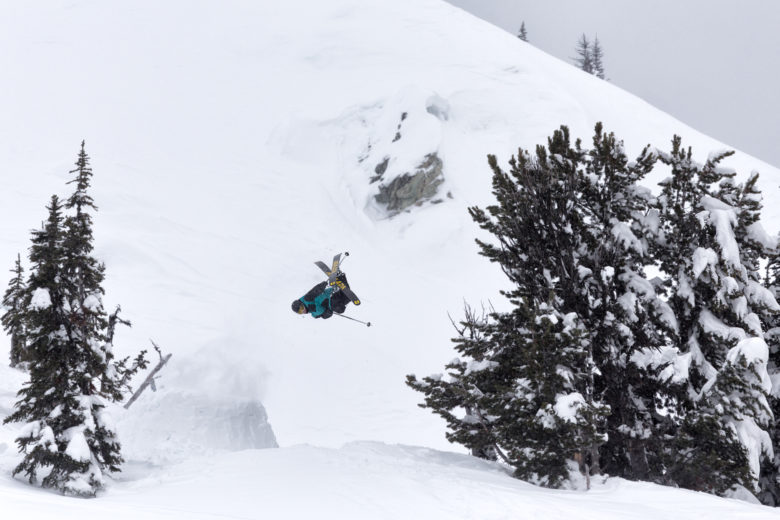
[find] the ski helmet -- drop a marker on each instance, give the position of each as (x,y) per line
(299,307)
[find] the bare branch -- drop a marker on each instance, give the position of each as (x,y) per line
(149,381)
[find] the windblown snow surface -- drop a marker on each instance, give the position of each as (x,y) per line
(233,144)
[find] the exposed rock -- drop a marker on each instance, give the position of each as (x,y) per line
(398,129)
(412,189)
(380,170)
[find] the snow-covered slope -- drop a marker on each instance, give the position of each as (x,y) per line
(233,144)
(363,480)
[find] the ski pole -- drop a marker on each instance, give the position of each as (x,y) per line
(366,323)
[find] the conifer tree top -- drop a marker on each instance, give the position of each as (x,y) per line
(523,34)
(83,171)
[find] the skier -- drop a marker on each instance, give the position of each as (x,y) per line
(324,299)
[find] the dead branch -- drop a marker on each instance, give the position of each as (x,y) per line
(150,378)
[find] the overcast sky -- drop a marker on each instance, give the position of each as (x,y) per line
(713,64)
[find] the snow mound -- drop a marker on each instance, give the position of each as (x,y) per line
(176,426)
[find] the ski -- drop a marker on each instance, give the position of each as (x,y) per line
(351,295)
(334,269)
(322,266)
(333,273)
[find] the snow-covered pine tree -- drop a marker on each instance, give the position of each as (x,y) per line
(754,242)
(82,288)
(528,372)
(744,380)
(13,319)
(597,54)
(82,273)
(46,401)
(523,34)
(539,225)
(724,410)
(552,422)
(69,441)
(628,323)
(584,59)
(464,389)
(757,247)
(769,482)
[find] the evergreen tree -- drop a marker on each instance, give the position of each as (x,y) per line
(707,284)
(464,389)
(756,239)
(754,243)
(590,56)
(553,418)
(584,59)
(769,482)
(598,59)
(627,321)
(531,370)
(14,317)
(523,34)
(47,402)
(665,381)
(69,441)
(577,358)
(82,273)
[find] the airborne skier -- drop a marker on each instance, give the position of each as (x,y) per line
(322,300)
(329,296)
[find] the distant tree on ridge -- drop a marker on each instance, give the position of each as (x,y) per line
(523,34)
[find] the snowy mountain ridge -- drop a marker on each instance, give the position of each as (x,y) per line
(233,144)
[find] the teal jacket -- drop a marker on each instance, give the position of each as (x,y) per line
(318,303)
(322,300)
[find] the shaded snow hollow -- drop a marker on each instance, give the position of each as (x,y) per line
(226,140)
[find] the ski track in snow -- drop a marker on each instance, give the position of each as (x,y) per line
(226,141)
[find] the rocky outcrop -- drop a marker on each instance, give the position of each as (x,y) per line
(411,189)
(399,151)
